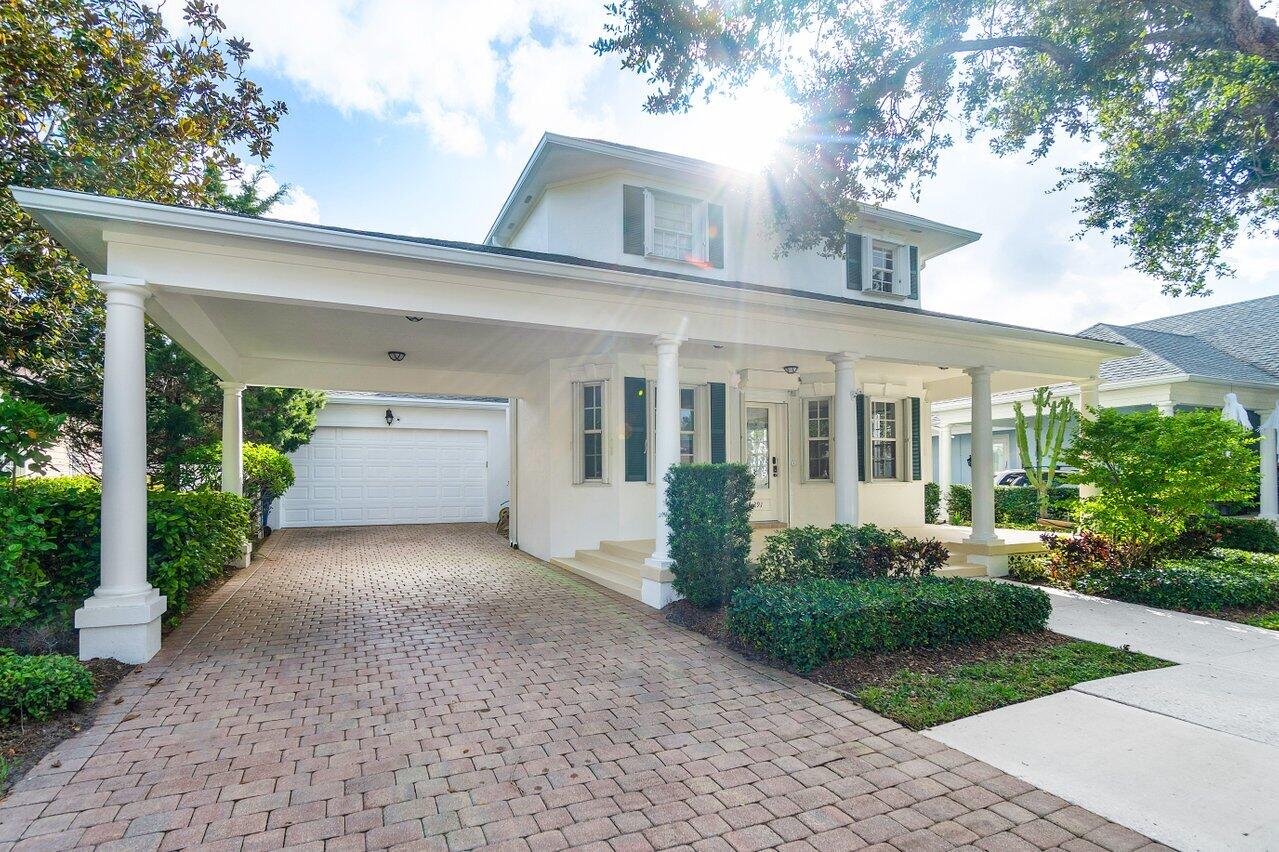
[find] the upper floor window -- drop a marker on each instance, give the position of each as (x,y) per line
(673,228)
(875,265)
(883,262)
(670,226)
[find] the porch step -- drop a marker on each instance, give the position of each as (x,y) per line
(617,565)
(635,550)
(962,569)
(619,581)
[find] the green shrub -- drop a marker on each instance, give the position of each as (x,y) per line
(932,503)
(1015,506)
(846,552)
(708,507)
(1028,567)
(808,624)
(50,560)
(1228,578)
(35,687)
(1255,534)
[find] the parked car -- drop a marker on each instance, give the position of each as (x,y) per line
(1017,475)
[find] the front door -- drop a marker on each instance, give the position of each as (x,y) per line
(766,456)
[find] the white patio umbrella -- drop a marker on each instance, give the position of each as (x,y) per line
(1233,410)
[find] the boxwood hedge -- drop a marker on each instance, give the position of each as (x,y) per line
(709,508)
(1016,506)
(35,687)
(811,623)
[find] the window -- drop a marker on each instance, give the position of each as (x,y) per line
(884,435)
(883,259)
(676,227)
(687,425)
(694,426)
(591,457)
(817,438)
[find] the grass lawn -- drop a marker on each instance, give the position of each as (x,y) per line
(923,699)
(1270,621)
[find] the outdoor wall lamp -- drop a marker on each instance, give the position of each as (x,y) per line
(395,355)
(390,417)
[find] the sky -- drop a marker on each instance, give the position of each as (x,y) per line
(416,117)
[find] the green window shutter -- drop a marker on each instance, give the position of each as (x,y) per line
(916,461)
(861,437)
(853,261)
(636,416)
(632,220)
(914,274)
(719,414)
(715,236)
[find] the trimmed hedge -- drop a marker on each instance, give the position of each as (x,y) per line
(1255,534)
(1014,505)
(49,562)
(809,624)
(709,507)
(846,552)
(35,687)
(1228,578)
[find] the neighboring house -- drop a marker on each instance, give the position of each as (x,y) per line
(632,308)
(400,459)
(1186,361)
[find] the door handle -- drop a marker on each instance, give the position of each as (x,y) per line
(774,465)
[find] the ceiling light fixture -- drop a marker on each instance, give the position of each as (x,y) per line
(412,319)
(790,369)
(395,355)
(390,417)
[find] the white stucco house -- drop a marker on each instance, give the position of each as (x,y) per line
(631,308)
(1185,361)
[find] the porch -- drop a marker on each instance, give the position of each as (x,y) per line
(613,374)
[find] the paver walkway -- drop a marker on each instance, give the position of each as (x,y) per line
(428,687)
(1186,754)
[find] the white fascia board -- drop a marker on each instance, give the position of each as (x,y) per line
(43,202)
(491,238)
(380,400)
(965,403)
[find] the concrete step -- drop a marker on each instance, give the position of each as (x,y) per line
(623,566)
(636,549)
(962,569)
(617,581)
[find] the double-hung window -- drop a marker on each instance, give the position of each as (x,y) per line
(885,433)
(590,414)
(694,440)
(817,438)
(687,425)
(676,227)
(883,265)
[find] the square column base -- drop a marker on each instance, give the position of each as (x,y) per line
(242,559)
(121,627)
(657,594)
(996,564)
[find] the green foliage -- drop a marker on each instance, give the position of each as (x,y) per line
(50,562)
(283,418)
(708,507)
(1178,100)
(1015,506)
(266,469)
(846,552)
(1270,621)
(810,623)
(35,687)
(27,431)
(1227,578)
(1048,430)
(932,503)
(921,700)
(1156,474)
(1255,534)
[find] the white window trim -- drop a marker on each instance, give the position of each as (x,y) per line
(579,444)
(701,229)
(900,440)
(830,438)
(701,422)
(901,266)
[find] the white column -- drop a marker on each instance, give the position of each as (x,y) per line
(233,452)
(122,619)
(847,477)
(983,493)
(1269,494)
(1089,402)
(943,468)
(665,456)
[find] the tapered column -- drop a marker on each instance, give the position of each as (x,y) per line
(943,469)
(983,492)
(122,619)
(233,452)
(847,475)
(665,440)
(1089,402)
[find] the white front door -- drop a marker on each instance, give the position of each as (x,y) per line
(767,457)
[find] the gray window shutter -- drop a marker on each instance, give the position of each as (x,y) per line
(636,416)
(853,261)
(916,461)
(715,234)
(862,473)
(632,220)
(914,274)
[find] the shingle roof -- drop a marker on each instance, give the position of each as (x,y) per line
(1249,330)
(1168,353)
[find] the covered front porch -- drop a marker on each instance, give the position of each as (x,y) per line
(613,375)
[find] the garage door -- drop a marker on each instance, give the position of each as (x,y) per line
(349,476)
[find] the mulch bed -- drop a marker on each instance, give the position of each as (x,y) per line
(868,669)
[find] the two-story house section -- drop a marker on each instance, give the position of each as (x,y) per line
(632,308)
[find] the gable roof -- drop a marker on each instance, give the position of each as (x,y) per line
(1249,330)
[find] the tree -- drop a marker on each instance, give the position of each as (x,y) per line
(1182,99)
(1052,417)
(27,432)
(98,96)
(1155,474)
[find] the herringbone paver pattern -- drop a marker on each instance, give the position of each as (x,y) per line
(427,687)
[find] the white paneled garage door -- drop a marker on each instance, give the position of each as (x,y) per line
(356,475)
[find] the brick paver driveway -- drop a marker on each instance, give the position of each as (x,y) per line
(427,687)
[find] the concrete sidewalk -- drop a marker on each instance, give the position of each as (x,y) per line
(1185,754)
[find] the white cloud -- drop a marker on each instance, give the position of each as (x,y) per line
(296,206)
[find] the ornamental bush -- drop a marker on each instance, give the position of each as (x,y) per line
(932,503)
(49,561)
(1015,506)
(847,552)
(811,623)
(35,687)
(1227,578)
(708,507)
(1255,534)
